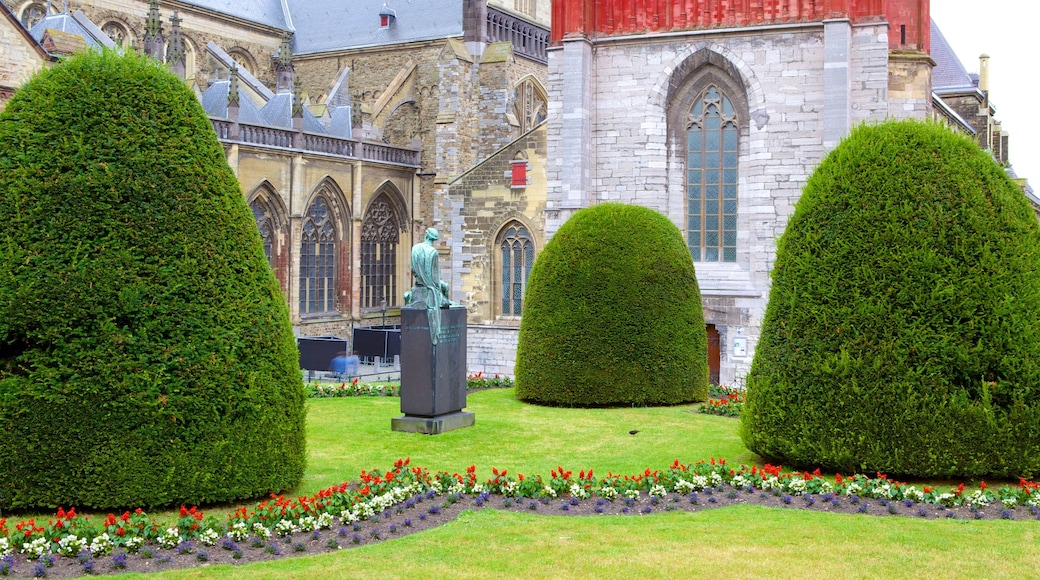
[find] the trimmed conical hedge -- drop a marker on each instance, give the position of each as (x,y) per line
(146,353)
(903,322)
(612,315)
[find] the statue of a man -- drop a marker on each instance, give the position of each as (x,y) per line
(428,289)
(426,272)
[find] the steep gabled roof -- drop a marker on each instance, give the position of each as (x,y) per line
(949,73)
(323,26)
(273,13)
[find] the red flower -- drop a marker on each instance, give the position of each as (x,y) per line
(120,532)
(982,485)
(838,478)
(929,489)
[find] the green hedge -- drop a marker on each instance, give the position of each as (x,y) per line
(612,315)
(146,353)
(901,333)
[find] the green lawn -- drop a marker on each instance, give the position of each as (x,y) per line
(348,435)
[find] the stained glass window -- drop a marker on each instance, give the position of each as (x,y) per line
(380,236)
(711,178)
(517,251)
(318,260)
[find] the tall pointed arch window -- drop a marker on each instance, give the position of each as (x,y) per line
(318,260)
(516,249)
(530,104)
(380,237)
(265,222)
(711,178)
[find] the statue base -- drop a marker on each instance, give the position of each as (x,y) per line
(433,425)
(433,376)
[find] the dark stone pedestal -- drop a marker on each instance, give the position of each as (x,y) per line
(433,376)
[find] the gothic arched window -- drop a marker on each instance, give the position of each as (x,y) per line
(516,249)
(32,14)
(116,32)
(711,178)
(265,222)
(380,236)
(530,104)
(318,260)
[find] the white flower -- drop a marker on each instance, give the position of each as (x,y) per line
(36,548)
(914,494)
(684,487)
(478,488)
(608,493)
(238,532)
(977,499)
(772,483)
(510,488)
(1009,502)
(741,480)
(632,493)
(658,490)
(169,538)
(5,548)
(71,545)
(550,492)
(948,499)
(853,488)
(208,537)
(796,486)
(101,546)
(285,528)
(134,544)
(261,531)
(716,479)
(325,521)
(579,491)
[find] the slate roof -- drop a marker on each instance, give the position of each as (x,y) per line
(215,102)
(64,23)
(323,26)
(949,73)
(278,112)
(273,13)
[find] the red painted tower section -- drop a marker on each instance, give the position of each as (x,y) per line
(600,18)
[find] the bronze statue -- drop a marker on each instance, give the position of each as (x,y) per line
(428,289)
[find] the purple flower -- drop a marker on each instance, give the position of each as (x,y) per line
(786,499)
(119,561)
(408,522)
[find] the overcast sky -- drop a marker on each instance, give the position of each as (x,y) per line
(1003,29)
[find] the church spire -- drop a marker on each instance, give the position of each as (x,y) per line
(175,52)
(283,65)
(153,37)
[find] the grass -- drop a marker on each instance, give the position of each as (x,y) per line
(734,542)
(347,435)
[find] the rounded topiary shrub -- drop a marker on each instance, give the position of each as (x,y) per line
(146,353)
(612,315)
(901,333)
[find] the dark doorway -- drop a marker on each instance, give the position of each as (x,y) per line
(714,354)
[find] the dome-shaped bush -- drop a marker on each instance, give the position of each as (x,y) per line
(146,354)
(901,333)
(612,315)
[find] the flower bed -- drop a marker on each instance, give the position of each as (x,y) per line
(73,541)
(356,388)
(725,401)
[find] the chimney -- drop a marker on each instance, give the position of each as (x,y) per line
(984,73)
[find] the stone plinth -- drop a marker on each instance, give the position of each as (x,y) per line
(433,376)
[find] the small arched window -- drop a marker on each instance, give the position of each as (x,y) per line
(711,178)
(318,260)
(117,32)
(32,14)
(516,249)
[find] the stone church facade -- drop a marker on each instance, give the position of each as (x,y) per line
(346,123)
(354,126)
(715,113)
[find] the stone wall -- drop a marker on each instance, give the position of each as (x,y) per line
(479,205)
(616,133)
(19,59)
(491,349)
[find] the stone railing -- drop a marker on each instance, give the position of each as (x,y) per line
(389,154)
(528,39)
(265,136)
